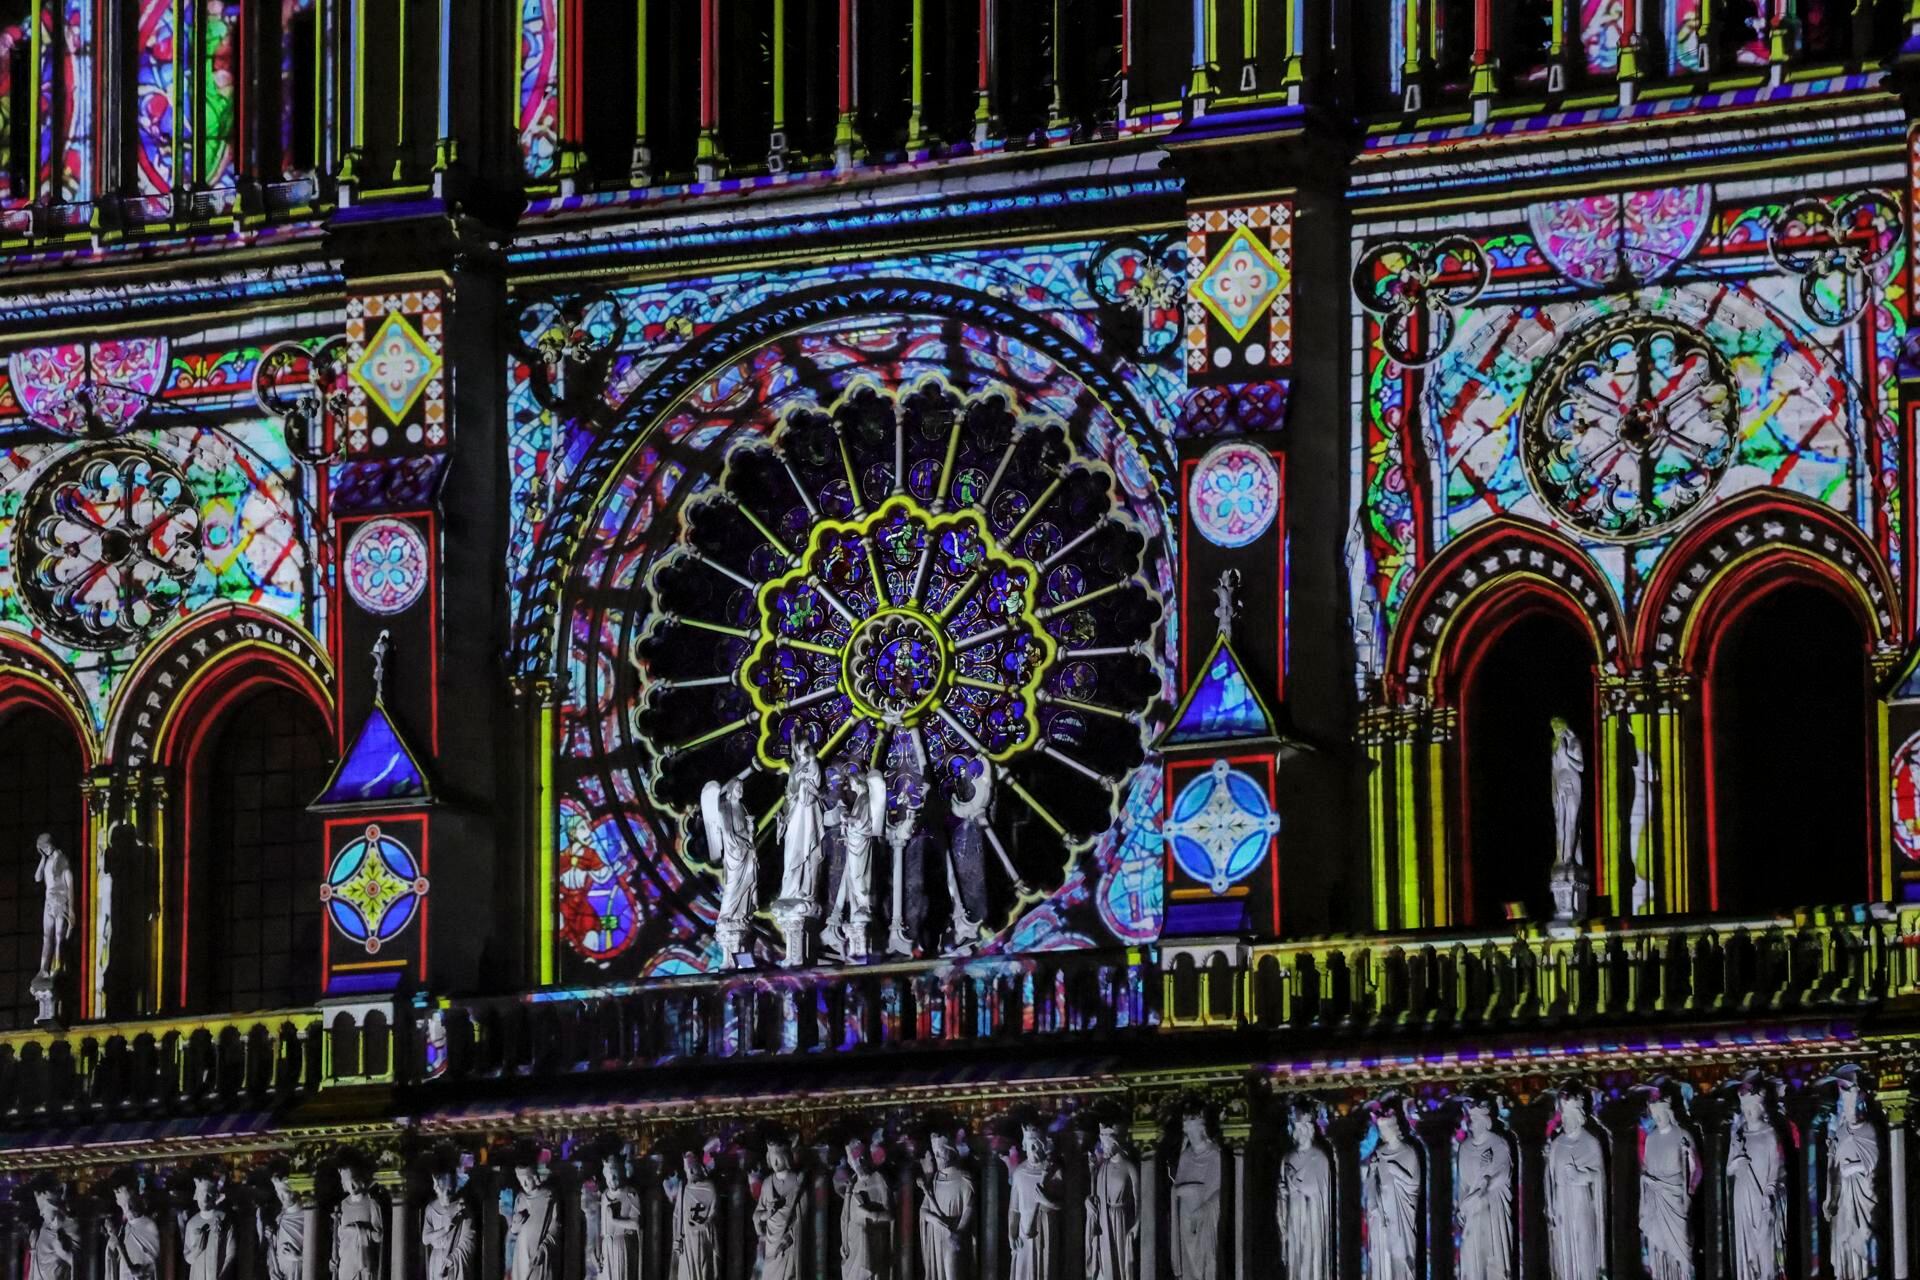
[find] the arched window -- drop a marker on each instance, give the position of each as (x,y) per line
(1535,666)
(255,853)
(1788,728)
(40,770)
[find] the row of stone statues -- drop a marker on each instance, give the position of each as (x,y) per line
(1393,1176)
(831,823)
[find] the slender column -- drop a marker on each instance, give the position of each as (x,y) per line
(1295,76)
(1483,85)
(1779,37)
(1126,57)
(401,36)
(1410,60)
(1629,49)
(707,162)
(1611,860)
(545,815)
(846,133)
(1557,47)
(1241,1266)
(1893,1104)
(443,145)
(1670,696)
(317,1247)
(1148,1143)
(1373,738)
(1440,732)
(985,126)
(641,168)
(917,80)
(400,1233)
(777,38)
(1057,106)
(1406,815)
(1206,56)
(356,95)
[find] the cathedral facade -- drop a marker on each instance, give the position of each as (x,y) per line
(958,639)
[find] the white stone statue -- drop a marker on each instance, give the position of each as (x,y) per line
(133,1238)
(1303,1204)
(802,830)
(54,1242)
(1390,1186)
(620,1212)
(1852,1201)
(1365,597)
(449,1233)
(1669,1176)
(778,1213)
(850,922)
(946,1212)
(696,1221)
(1033,1206)
(729,832)
(1569,774)
(1756,1190)
(1639,812)
(55,873)
(359,1228)
(1576,1193)
(1483,1196)
(102,925)
(533,1227)
(866,1217)
(1195,1210)
(1113,1208)
(967,857)
(206,1234)
(285,1238)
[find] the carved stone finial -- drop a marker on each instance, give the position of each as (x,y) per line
(381,645)
(1226,606)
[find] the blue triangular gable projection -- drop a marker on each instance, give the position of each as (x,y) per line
(377,769)
(1222,705)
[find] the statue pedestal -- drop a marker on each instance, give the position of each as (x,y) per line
(47,1003)
(795,917)
(1568,884)
(732,940)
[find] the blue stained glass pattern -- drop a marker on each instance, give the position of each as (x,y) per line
(1222,827)
(1222,705)
(377,769)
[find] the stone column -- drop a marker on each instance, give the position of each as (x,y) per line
(819,1242)
(1893,1103)
(317,1253)
(1239,1264)
(1150,1200)
(400,1235)
(990,1223)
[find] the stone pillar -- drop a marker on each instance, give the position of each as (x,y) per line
(819,1244)
(1150,1201)
(990,1222)
(1893,1103)
(318,1251)
(1239,1263)
(400,1235)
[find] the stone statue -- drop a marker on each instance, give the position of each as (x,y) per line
(696,1226)
(850,923)
(54,1242)
(1569,774)
(1669,1176)
(1033,1206)
(1390,1199)
(449,1235)
(533,1227)
(802,835)
(102,925)
(286,1238)
(946,1212)
(778,1213)
(1639,811)
(907,838)
(133,1238)
(1576,1193)
(1226,603)
(1113,1208)
(729,832)
(1853,1197)
(1365,594)
(1304,1203)
(206,1234)
(1756,1190)
(1483,1196)
(967,857)
(866,1217)
(620,1216)
(55,873)
(1195,1211)
(359,1228)
(833,847)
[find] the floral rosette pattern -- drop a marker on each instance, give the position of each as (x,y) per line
(926,585)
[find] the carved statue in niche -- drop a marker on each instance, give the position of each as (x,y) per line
(1196,1200)
(449,1233)
(55,874)
(866,1216)
(946,1211)
(619,1214)
(1390,1186)
(1033,1206)
(133,1237)
(1853,1197)
(802,830)
(967,858)
(1576,1192)
(834,786)
(729,832)
(1567,880)
(1113,1208)
(54,1242)
(864,815)
(206,1234)
(778,1212)
(1639,809)
(1756,1187)
(696,1220)
(285,1234)
(1483,1194)
(359,1228)
(533,1226)
(1669,1176)
(1303,1204)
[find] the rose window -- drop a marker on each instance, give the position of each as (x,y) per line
(1630,425)
(927,586)
(115,544)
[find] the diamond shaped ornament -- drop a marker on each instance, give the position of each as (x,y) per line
(396,367)
(1240,283)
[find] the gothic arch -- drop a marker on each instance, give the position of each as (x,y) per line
(28,674)
(1482,569)
(620,431)
(1756,535)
